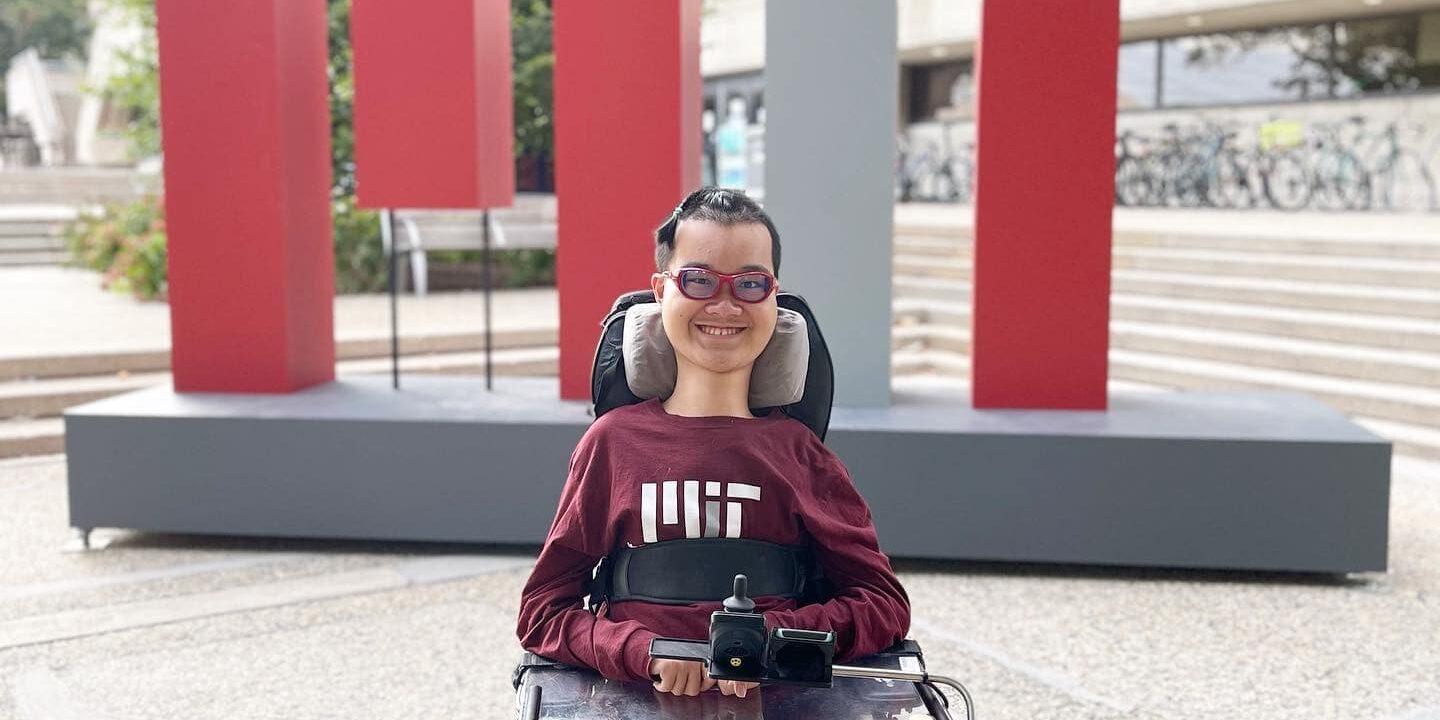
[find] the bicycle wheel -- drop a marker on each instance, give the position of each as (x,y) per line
(1407,184)
(1232,186)
(1286,182)
(1132,183)
(1340,182)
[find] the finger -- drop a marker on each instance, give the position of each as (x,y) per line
(743,687)
(693,678)
(707,682)
(727,687)
(667,678)
(682,676)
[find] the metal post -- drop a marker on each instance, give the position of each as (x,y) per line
(485,262)
(904,675)
(392,252)
(1159,73)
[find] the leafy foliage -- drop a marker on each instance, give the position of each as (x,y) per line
(102,242)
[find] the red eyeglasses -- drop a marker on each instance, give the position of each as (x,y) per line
(702,284)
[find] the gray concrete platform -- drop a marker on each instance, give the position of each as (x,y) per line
(1254,481)
(209,628)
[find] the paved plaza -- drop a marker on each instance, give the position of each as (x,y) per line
(161,626)
(164,626)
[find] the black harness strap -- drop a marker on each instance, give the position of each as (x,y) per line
(684,572)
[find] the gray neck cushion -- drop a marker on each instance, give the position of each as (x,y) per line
(777,379)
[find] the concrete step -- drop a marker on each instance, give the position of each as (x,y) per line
(1324,268)
(1379,300)
(1375,331)
(1319,358)
(353,348)
(925,311)
(917,371)
(376,347)
(929,362)
(931,288)
(938,246)
(1413,440)
(1144,372)
(932,266)
(1304,356)
(60,366)
(1383,401)
(19,438)
(1383,245)
(952,232)
(39,436)
(30,243)
(1359,246)
(929,258)
(1350,328)
(53,213)
(543,361)
(918,336)
(22,227)
(72,186)
(42,257)
(49,398)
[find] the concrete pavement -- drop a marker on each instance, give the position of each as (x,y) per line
(159,626)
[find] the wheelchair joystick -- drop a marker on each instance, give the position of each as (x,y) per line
(740,601)
(741,649)
(737,637)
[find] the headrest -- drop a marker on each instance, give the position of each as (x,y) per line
(779,374)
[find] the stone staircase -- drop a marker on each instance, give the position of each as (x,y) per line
(73,185)
(34,392)
(36,203)
(34,235)
(1355,323)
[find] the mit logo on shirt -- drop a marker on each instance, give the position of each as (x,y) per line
(669,504)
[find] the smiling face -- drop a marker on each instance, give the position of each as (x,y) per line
(721,334)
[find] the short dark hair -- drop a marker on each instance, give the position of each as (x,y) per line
(717,205)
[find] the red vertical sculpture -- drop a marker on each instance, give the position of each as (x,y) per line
(434,119)
(246,138)
(627,149)
(1044,194)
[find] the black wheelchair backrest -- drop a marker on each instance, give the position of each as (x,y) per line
(609,387)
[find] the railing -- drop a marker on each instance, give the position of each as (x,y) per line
(29,96)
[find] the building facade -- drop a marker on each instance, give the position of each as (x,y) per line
(1324,104)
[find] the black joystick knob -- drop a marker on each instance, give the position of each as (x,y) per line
(740,602)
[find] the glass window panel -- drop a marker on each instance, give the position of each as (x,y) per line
(1376,56)
(940,91)
(1250,66)
(1135,83)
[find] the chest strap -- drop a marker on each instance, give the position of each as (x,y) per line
(682,572)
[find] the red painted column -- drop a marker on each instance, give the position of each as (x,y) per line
(246,135)
(627,149)
(434,118)
(1045,190)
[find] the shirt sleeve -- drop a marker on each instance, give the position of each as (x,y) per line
(553,621)
(869,610)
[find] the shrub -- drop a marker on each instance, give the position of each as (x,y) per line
(125,242)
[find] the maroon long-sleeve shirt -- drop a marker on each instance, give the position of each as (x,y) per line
(641,475)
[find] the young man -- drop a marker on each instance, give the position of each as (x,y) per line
(716,260)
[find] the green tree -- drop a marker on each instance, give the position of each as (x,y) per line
(135,88)
(359,263)
(55,28)
(533,69)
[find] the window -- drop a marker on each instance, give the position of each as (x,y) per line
(1135,84)
(1376,56)
(940,91)
(1290,63)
